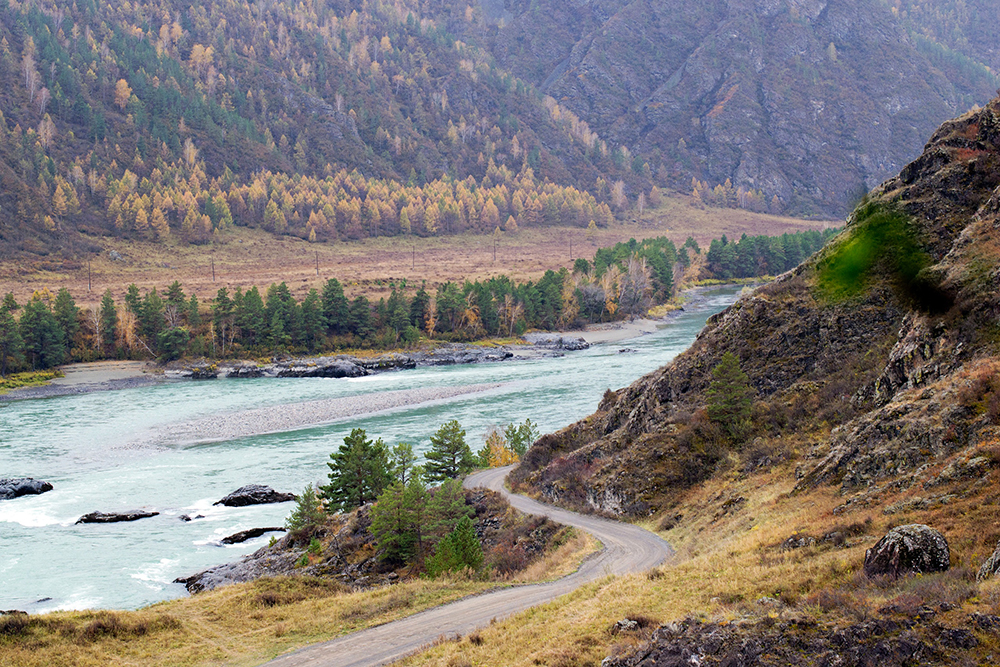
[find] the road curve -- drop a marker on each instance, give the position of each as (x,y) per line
(627,549)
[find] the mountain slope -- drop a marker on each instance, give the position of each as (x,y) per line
(874,363)
(154,93)
(814,101)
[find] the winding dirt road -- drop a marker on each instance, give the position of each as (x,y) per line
(627,549)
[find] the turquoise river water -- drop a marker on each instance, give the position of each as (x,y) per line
(91,448)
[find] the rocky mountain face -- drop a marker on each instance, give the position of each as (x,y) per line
(874,362)
(814,101)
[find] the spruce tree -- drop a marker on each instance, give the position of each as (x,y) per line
(11,344)
(729,397)
(449,455)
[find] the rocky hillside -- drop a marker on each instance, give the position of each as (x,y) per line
(812,101)
(874,364)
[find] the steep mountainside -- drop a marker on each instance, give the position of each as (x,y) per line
(873,364)
(186,109)
(815,101)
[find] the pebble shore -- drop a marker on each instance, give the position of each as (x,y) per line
(276,419)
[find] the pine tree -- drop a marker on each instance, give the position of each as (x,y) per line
(394,521)
(729,397)
(307,515)
(108,319)
(11,343)
(449,455)
(359,472)
(445,508)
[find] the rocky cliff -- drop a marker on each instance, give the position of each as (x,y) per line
(872,362)
(814,101)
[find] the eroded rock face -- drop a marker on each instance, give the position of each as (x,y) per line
(22,486)
(254,494)
(991,566)
(115,517)
(914,548)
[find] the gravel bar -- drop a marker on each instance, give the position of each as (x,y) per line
(292,416)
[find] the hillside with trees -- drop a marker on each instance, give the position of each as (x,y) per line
(341,121)
(328,121)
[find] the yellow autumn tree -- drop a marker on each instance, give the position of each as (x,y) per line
(123,92)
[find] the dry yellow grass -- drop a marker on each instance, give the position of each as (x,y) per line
(247,624)
(728,569)
(248,257)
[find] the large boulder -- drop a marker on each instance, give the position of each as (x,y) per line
(991,566)
(340,368)
(115,517)
(254,494)
(22,486)
(908,549)
(245,535)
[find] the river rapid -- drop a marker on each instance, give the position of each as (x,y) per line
(113,451)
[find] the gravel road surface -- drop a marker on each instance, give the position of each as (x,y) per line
(627,549)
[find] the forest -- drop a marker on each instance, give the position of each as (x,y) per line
(327,121)
(620,282)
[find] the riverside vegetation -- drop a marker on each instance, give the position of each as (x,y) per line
(621,281)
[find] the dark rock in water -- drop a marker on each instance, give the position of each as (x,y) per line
(908,549)
(245,371)
(254,494)
(22,486)
(557,341)
(991,566)
(245,535)
(115,517)
(388,362)
(627,350)
(447,355)
(206,372)
(340,368)
(186,517)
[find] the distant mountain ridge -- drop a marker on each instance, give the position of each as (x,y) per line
(816,101)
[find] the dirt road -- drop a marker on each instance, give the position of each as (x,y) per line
(627,548)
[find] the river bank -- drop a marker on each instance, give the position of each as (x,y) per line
(84,378)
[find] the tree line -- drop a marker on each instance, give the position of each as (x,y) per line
(620,281)
(754,256)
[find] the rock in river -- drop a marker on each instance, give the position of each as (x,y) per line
(115,517)
(905,549)
(254,494)
(245,535)
(22,486)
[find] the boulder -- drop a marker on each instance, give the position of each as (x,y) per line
(991,566)
(22,486)
(557,341)
(245,535)
(245,371)
(341,368)
(115,517)
(254,494)
(908,549)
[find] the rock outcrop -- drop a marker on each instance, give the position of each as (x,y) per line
(22,486)
(897,369)
(115,517)
(340,368)
(990,566)
(254,494)
(244,535)
(911,549)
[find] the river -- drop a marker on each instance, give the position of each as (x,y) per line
(105,451)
